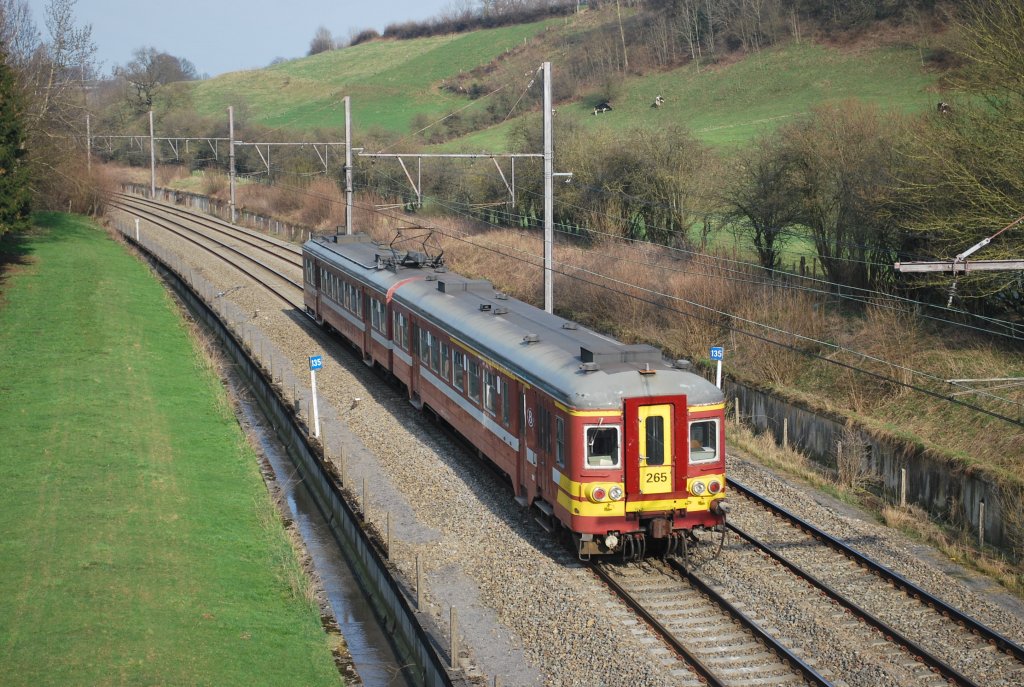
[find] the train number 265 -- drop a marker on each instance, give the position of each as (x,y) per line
(657,477)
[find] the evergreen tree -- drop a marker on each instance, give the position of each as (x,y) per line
(15,195)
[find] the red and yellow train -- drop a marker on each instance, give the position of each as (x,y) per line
(607,440)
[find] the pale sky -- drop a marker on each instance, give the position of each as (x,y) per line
(223,36)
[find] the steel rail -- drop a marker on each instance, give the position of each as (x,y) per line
(258,279)
(1003,643)
(810,674)
(214,223)
(889,632)
(703,670)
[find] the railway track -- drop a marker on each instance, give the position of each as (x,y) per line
(720,643)
(947,640)
(752,652)
(225,245)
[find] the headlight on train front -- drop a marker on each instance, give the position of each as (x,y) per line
(714,486)
(697,488)
(597,494)
(616,493)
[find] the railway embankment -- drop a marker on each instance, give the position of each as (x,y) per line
(976,502)
(365,547)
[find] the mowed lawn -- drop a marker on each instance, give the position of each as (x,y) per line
(138,544)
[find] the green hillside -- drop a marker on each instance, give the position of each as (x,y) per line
(389,82)
(733,103)
(393,81)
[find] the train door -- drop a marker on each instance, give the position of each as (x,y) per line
(533,468)
(366,315)
(526,478)
(414,372)
(653,427)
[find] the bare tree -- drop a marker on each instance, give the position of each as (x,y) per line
(763,197)
(52,77)
(18,34)
(150,70)
(322,41)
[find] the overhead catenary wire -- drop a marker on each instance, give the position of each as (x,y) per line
(860,295)
(573,273)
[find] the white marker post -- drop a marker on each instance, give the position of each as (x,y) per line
(718,353)
(315,363)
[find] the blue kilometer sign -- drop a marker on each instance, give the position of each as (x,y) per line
(717,353)
(316,362)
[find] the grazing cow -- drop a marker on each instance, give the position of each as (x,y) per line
(658,101)
(605,106)
(944,107)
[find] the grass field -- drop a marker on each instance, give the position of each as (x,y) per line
(389,82)
(729,104)
(139,544)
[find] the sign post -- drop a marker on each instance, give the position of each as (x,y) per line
(315,363)
(717,354)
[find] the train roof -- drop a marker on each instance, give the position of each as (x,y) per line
(578,366)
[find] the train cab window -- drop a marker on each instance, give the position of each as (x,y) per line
(655,430)
(560,441)
(446,362)
(474,379)
(602,447)
(490,392)
(459,367)
(704,441)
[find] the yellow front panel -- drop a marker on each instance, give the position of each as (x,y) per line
(656,441)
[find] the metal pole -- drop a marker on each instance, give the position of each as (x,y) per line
(231,158)
(88,143)
(548,192)
(152,159)
(903,487)
(419,584)
(348,165)
(454,628)
(419,182)
(316,410)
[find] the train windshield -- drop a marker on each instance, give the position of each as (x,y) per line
(703,441)
(602,447)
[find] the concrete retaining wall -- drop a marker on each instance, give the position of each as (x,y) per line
(947,492)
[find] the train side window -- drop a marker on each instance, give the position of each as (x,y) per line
(602,446)
(459,364)
(446,362)
(378,315)
(310,272)
(490,392)
(560,441)
(435,352)
(506,403)
(402,330)
(474,379)
(424,348)
(703,441)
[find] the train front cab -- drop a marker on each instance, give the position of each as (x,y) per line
(671,480)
